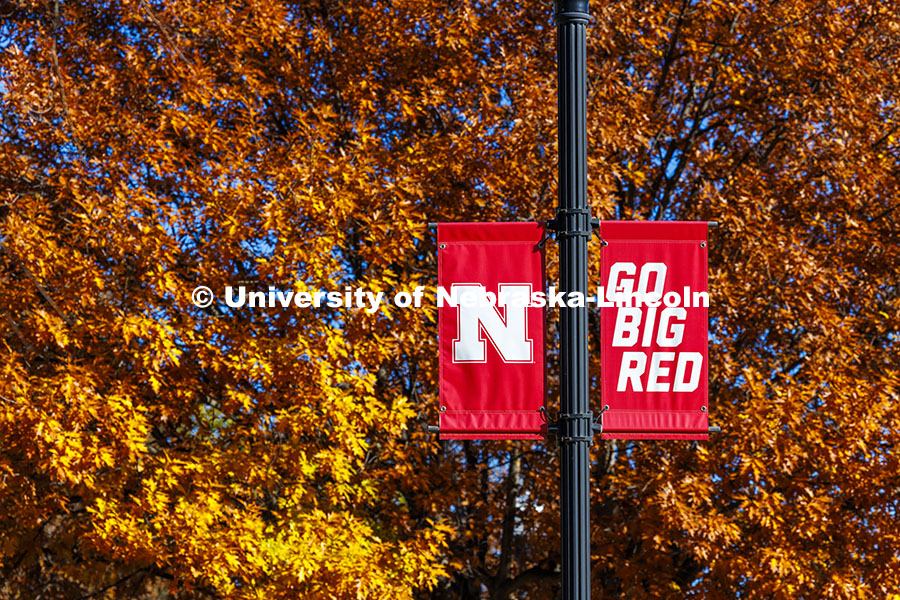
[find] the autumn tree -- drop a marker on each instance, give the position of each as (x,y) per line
(150,448)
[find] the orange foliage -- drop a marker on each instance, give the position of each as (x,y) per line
(152,449)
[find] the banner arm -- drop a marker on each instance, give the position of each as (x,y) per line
(595,223)
(433,225)
(596,426)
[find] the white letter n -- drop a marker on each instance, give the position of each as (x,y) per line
(509,334)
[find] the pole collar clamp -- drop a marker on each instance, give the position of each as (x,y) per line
(573,222)
(575,427)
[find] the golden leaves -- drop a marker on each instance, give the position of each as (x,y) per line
(279,453)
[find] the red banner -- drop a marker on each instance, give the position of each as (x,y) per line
(491,338)
(653,325)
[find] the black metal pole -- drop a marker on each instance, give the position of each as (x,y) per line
(573,223)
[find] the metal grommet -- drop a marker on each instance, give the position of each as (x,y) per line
(703,244)
(703,408)
(442,246)
(606,407)
(444,409)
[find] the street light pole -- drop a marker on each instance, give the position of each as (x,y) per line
(573,224)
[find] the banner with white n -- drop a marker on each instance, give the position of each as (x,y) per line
(491,337)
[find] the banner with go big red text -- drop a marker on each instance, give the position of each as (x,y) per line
(653,327)
(490,333)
